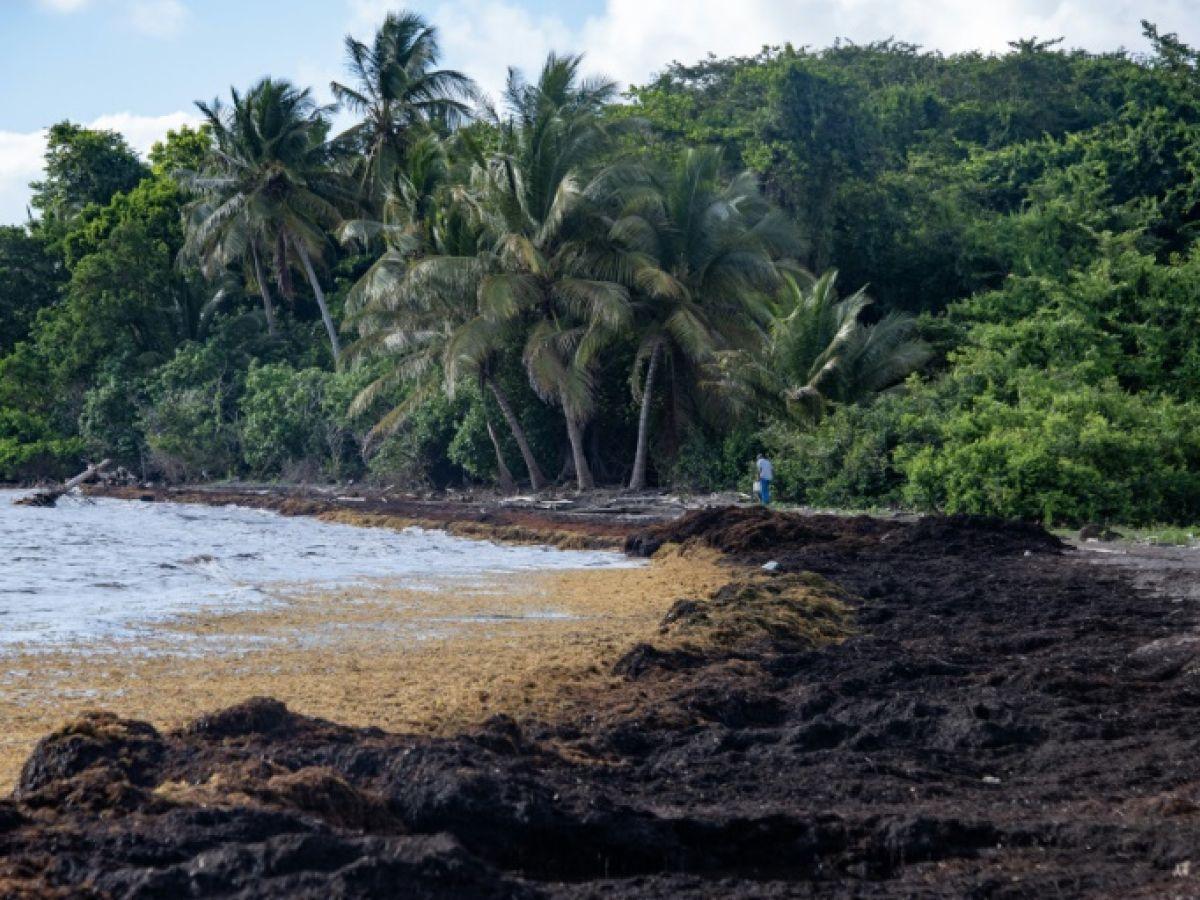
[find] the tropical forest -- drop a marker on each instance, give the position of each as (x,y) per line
(938,282)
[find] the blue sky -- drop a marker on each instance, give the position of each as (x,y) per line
(138,65)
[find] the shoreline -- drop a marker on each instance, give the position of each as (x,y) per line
(602,522)
(405,659)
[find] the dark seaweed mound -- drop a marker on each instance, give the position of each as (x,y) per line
(1005,720)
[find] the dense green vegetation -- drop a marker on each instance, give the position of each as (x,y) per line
(965,282)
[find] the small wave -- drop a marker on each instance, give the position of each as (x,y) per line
(199,560)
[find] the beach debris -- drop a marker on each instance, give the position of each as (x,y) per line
(50,496)
(771,566)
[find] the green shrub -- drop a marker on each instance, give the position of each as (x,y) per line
(707,462)
(418,453)
(31,449)
(109,424)
(189,420)
(471,448)
(1065,452)
(295,422)
(847,459)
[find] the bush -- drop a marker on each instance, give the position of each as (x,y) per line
(418,453)
(190,417)
(1065,452)
(847,459)
(30,448)
(471,449)
(109,424)
(707,462)
(295,421)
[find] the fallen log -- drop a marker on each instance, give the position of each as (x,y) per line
(50,497)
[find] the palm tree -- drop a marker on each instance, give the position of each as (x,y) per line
(399,94)
(236,242)
(715,248)
(428,323)
(821,353)
(428,315)
(553,265)
(271,183)
(544,273)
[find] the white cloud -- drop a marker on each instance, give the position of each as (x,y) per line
(481,38)
(632,39)
(485,39)
(20,162)
(21,153)
(143,131)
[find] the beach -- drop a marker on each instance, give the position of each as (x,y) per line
(435,656)
(774,703)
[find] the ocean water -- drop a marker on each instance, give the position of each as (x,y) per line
(88,570)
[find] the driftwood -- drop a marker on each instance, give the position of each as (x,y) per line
(50,497)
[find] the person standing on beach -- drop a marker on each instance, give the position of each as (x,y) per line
(766,474)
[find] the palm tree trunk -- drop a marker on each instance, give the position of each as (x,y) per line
(268,307)
(583,474)
(320,295)
(504,476)
(536,478)
(638,480)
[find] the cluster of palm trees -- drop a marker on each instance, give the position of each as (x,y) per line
(527,235)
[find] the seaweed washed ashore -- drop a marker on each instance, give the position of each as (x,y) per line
(948,707)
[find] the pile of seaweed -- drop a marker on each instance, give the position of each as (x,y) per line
(950,707)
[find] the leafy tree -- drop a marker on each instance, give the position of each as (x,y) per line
(181,151)
(121,303)
(83,166)
(30,279)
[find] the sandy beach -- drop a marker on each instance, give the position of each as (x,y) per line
(364,655)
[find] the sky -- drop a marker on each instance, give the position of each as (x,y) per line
(137,66)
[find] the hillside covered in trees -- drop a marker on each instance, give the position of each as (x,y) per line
(968,283)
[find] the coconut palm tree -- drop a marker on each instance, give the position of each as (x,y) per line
(270,182)
(427,315)
(821,353)
(429,324)
(237,243)
(553,264)
(715,248)
(546,275)
(399,93)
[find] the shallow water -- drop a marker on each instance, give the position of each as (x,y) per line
(99,569)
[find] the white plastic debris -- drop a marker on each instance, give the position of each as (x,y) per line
(770,566)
